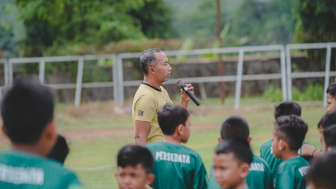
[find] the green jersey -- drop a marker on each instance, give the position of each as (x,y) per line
(176,166)
(19,170)
(259,177)
(291,174)
(266,152)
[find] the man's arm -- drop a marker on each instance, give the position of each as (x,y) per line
(184,97)
(141,132)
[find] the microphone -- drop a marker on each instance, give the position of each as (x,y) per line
(189,93)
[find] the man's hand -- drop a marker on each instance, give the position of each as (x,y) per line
(141,132)
(309,150)
(184,97)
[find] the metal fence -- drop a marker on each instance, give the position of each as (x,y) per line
(118,83)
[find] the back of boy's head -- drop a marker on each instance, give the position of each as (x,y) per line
(287,108)
(60,150)
(322,171)
(328,119)
(235,127)
(330,136)
(239,147)
(132,155)
(332,89)
(170,116)
(292,129)
(26,109)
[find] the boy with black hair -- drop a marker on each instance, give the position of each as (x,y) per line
(260,175)
(322,172)
(231,163)
(60,150)
(288,135)
(28,120)
(330,137)
(134,167)
(331,96)
(176,166)
(325,122)
(266,152)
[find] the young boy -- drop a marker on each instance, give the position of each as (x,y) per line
(330,137)
(134,167)
(176,166)
(331,96)
(231,163)
(60,150)
(260,175)
(326,121)
(27,111)
(266,152)
(288,135)
(322,173)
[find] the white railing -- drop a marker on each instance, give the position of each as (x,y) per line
(118,84)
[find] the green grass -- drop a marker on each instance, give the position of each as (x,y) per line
(94,159)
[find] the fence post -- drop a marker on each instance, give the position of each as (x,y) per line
(6,74)
(79,81)
(239,78)
(283,74)
(121,81)
(115,79)
(10,71)
(289,73)
(41,71)
(203,92)
(327,73)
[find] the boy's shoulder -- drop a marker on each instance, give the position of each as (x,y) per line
(34,167)
(171,148)
(257,159)
(294,165)
(266,146)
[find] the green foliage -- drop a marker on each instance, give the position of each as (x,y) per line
(272,94)
(311,93)
(67,22)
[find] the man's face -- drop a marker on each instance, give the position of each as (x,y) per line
(186,131)
(331,102)
(131,177)
(275,144)
(161,68)
(228,172)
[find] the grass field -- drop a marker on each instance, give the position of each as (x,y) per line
(93,156)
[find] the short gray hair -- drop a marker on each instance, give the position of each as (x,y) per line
(148,57)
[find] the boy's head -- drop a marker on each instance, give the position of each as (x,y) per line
(329,137)
(174,119)
(288,134)
(231,162)
(27,111)
(60,150)
(322,172)
(235,127)
(331,96)
(287,108)
(325,122)
(134,167)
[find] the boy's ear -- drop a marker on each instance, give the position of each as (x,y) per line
(150,178)
(180,129)
(3,130)
(219,139)
(244,167)
(282,144)
(249,139)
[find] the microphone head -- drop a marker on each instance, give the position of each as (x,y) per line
(180,83)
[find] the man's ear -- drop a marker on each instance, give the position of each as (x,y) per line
(244,167)
(151,69)
(3,130)
(150,178)
(219,139)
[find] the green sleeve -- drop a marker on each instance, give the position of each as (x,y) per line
(200,178)
(71,181)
